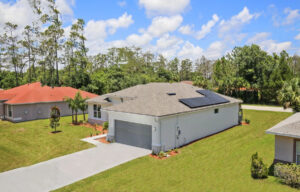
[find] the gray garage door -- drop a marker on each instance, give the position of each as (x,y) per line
(135,134)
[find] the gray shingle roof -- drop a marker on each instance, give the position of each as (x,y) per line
(289,127)
(152,99)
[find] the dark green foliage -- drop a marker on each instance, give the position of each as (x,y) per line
(258,169)
(54,118)
(247,121)
(105,125)
(288,174)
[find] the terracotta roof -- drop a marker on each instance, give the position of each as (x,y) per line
(187,82)
(36,93)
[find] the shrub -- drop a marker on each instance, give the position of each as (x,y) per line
(105,125)
(258,169)
(176,150)
(162,154)
(288,174)
(247,121)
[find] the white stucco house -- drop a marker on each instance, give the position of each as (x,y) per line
(287,140)
(163,116)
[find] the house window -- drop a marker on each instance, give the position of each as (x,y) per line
(216,110)
(9,111)
(97,111)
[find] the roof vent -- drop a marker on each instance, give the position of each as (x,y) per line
(171,94)
(107,99)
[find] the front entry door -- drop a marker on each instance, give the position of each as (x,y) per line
(297,152)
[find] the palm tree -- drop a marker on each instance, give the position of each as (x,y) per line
(71,105)
(75,104)
(83,106)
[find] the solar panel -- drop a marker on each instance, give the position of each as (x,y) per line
(210,98)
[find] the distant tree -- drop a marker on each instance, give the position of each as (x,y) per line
(186,70)
(54,118)
(289,95)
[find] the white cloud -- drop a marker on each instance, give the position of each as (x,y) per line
(164,7)
(258,37)
(236,21)
(168,45)
(215,50)
(190,51)
(186,29)
(65,7)
(97,31)
(269,45)
(19,13)
(205,29)
(122,3)
(138,40)
(297,37)
(161,25)
(292,16)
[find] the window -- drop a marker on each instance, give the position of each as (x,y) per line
(9,111)
(216,110)
(97,111)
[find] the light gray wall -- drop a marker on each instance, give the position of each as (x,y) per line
(27,112)
(135,118)
(104,114)
(1,110)
(196,125)
(193,125)
(284,148)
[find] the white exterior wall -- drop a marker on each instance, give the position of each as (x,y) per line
(284,148)
(196,125)
(104,114)
(135,118)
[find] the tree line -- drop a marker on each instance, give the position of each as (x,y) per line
(45,53)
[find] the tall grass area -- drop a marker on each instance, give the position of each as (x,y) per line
(217,163)
(27,143)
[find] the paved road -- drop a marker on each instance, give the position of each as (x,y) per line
(62,171)
(266,108)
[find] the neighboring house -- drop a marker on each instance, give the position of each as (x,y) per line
(287,140)
(163,116)
(34,101)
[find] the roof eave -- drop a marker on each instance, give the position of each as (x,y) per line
(283,134)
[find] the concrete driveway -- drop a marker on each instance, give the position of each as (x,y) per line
(64,170)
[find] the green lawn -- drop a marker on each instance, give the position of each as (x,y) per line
(27,143)
(217,163)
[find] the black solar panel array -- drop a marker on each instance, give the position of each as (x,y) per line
(210,98)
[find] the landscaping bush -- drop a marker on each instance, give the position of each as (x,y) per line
(258,169)
(105,125)
(247,121)
(162,154)
(288,174)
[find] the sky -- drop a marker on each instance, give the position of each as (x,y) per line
(176,28)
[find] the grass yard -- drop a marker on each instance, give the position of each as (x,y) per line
(27,143)
(217,163)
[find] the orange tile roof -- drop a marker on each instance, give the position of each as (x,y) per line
(36,93)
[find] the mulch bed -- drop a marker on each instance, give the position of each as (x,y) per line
(244,123)
(102,140)
(170,154)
